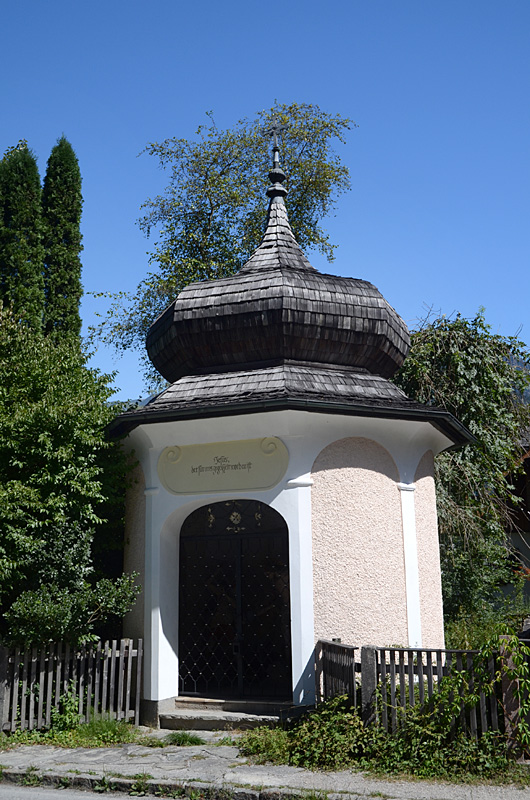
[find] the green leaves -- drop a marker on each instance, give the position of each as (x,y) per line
(480,377)
(61,206)
(21,235)
(52,613)
(432,740)
(213,212)
(60,479)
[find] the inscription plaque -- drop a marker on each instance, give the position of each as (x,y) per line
(223,466)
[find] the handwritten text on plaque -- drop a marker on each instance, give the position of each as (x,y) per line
(223,466)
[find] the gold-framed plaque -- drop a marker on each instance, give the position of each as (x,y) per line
(249,464)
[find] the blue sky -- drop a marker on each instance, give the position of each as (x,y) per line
(438,215)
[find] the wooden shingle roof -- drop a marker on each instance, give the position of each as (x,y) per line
(280,335)
(287,386)
(277,307)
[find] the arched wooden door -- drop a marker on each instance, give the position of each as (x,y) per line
(234,603)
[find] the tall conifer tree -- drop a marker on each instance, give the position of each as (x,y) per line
(61,205)
(21,235)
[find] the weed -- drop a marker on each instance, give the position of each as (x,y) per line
(99,732)
(105,731)
(266,745)
(224,794)
(227,741)
(428,742)
(66,717)
(140,786)
(312,795)
(183,739)
(152,741)
(103,785)
(31,778)
(334,737)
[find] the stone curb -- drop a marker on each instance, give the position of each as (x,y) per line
(161,788)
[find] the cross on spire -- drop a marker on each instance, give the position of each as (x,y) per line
(275,129)
(276,175)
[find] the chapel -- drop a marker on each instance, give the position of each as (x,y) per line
(284,491)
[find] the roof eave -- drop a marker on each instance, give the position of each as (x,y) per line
(442,420)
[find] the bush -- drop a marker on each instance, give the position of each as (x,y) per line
(427,743)
(334,737)
(58,614)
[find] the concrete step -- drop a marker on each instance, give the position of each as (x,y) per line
(211,713)
(215,720)
(259,706)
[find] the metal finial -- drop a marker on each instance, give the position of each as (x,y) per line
(276,175)
(275,129)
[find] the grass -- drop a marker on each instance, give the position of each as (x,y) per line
(183,739)
(100,732)
(226,741)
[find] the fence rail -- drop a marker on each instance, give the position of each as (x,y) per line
(405,677)
(336,667)
(105,678)
(411,677)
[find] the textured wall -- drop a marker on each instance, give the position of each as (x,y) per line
(134,550)
(358,572)
(428,554)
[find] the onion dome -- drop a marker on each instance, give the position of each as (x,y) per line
(277,310)
(279,336)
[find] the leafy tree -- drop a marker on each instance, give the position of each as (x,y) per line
(213,212)
(54,613)
(61,207)
(480,377)
(21,247)
(56,472)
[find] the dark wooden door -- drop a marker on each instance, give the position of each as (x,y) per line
(234,605)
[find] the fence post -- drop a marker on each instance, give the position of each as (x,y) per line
(319,678)
(510,699)
(4,700)
(368,683)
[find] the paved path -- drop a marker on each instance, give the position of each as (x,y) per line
(218,768)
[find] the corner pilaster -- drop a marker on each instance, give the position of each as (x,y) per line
(412,574)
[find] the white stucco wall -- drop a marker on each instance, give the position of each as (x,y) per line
(134,549)
(358,561)
(391,453)
(431,603)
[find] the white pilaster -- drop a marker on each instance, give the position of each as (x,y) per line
(412,575)
(301,588)
(151,598)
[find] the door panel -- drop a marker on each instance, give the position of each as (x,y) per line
(234,621)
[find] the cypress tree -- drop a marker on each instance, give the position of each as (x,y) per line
(21,235)
(61,206)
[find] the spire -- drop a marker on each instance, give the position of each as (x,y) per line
(278,247)
(276,175)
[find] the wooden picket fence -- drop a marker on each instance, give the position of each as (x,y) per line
(406,677)
(337,670)
(410,677)
(105,678)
